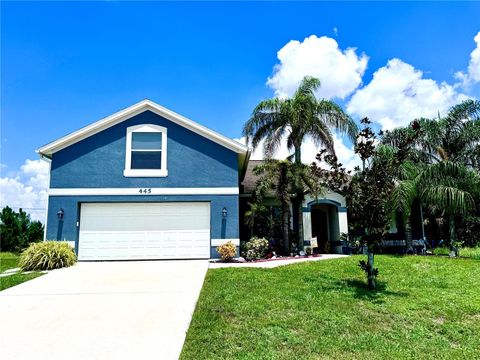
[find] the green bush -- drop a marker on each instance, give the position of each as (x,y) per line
(47,255)
(473,253)
(17,230)
(256,248)
(441,251)
(227,251)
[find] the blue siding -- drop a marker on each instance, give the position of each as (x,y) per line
(99,161)
(220,228)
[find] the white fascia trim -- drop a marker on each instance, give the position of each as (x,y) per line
(218,242)
(144,105)
(144,191)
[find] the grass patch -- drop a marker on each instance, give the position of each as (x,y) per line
(10,260)
(15,279)
(473,253)
(425,307)
(441,251)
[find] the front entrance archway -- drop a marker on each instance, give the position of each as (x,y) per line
(325,220)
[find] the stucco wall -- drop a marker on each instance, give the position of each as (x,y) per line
(99,161)
(220,228)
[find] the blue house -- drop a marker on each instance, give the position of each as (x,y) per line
(144,183)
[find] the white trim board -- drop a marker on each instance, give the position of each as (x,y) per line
(138,108)
(143,191)
(218,242)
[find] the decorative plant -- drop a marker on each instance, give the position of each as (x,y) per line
(47,255)
(256,248)
(227,251)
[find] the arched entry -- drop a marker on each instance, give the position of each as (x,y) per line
(325,220)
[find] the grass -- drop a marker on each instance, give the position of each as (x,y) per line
(10,260)
(424,308)
(441,251)
(473,253)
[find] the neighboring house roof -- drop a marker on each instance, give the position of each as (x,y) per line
(138,108)
(250,179)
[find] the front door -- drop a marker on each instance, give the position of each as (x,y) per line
(320,230)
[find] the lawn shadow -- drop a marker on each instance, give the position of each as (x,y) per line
(377,296)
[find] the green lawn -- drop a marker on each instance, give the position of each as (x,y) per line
(9,260)
(425,308)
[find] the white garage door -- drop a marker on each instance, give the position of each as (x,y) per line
(125,231)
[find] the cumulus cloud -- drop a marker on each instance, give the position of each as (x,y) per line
(398,93)
(27,189)
(472,76)
(340,71)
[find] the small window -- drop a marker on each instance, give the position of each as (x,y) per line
(146,151)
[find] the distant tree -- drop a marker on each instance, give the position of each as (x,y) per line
(297,118)
(17,230)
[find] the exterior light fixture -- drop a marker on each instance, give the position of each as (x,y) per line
(60,214)
(224,212)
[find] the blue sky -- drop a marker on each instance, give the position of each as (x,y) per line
(65,65)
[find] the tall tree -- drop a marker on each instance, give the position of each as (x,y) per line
(446,153)
(368,190)
(282,178)
(296,118)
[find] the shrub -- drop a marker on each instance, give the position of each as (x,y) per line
(256,248)
(473,253)
(47,255)
(227,251)
(441,251)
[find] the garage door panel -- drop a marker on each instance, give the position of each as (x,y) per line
(125,231)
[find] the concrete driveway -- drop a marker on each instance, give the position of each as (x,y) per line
(102,310)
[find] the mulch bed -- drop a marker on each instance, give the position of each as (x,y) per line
(275,259)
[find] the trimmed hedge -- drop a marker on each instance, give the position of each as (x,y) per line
(47,255)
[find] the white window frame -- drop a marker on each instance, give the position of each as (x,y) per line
(162,172)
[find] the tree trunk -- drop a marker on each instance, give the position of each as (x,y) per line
(285,227)
(452,234)
(408,235)
(300,220)
(299,201)
(371,272)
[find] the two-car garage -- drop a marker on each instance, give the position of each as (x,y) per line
(136,231)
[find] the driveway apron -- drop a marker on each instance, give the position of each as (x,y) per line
(102,310)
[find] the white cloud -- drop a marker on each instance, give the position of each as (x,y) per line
(472,75)
(340,71)
(27,189)
(398,93)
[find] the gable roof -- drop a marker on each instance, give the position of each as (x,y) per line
(144,105)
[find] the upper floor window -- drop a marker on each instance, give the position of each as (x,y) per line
(146,153)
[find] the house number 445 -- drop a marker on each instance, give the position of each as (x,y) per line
(145,191)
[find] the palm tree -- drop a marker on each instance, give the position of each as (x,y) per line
(276,178)
(451,186)
(403,196)
(455,137)
(446,154)
(296,118)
